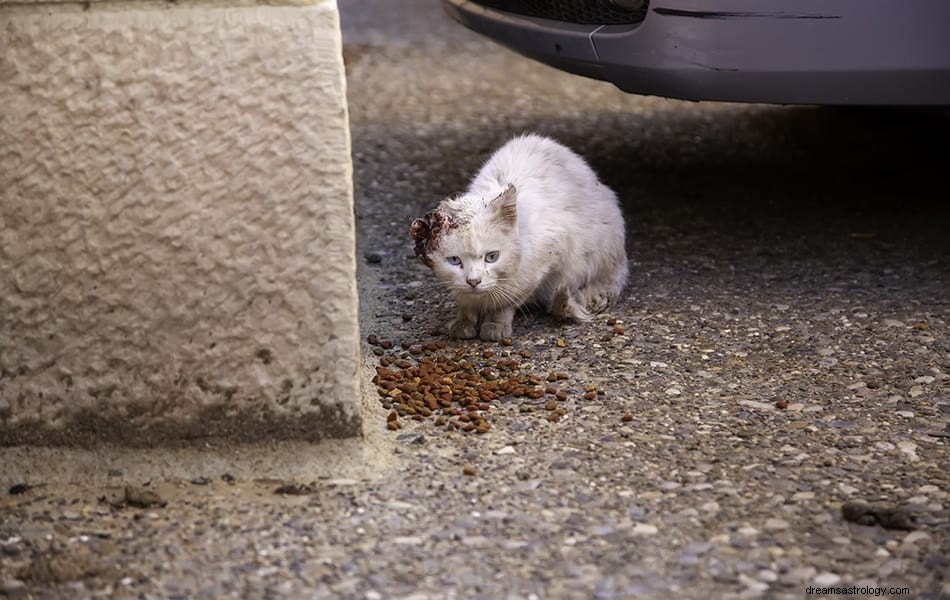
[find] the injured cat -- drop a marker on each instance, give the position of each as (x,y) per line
(536,226)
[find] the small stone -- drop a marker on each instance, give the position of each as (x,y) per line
(294,489)
(773,524)
(373,257)
(827,579)
(644,529)
(468,470)
(847,490)
(408,540)
(142,498)
(20,488)
(753,587)
(505,450)
(767,575)
(757,405)
(916,536)
(698,548)
(885,515)
(800,574)
(13,589)
(910,449)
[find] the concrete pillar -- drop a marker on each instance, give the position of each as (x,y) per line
(176,224)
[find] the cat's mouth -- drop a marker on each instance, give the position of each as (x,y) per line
(474,291)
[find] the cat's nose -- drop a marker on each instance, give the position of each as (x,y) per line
(473,282)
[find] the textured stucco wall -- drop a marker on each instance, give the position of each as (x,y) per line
(176,225)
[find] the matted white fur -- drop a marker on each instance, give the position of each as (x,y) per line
(535,226)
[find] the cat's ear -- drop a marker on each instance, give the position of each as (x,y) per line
(505,206)
(420,230)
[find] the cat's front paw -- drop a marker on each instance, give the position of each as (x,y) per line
(462,329)
(494,331)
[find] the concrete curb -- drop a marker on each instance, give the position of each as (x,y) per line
(177,239)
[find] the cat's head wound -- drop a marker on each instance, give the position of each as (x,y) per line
(427,231)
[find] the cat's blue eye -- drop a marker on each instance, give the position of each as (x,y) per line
(491,257)
(454,261)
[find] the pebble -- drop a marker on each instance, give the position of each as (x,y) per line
(767,575)
(407,540)
(753,586)
(800,574)
(916,536)
(644,529)
(13,588)
(827,579)
(910,449)
(847,490)
(373,257)
(757,405)
(774,524)
(698,548)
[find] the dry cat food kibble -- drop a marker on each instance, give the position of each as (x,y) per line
(457,389)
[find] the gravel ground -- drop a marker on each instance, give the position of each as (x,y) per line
(781,351)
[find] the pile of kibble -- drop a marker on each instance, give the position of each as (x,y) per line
(457,387)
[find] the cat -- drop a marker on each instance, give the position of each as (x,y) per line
(536,226)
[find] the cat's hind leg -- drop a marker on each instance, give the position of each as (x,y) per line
(565,306)
(497,325)
(600,295)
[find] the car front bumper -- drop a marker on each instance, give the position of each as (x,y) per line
(853,52)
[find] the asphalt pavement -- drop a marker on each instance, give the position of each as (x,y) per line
(766,411)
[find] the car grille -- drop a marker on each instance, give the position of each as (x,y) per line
(587,12)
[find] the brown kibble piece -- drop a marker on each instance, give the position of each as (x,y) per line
(468,470)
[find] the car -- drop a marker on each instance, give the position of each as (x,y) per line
(834,52)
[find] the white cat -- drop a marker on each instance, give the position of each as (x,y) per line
(535,226)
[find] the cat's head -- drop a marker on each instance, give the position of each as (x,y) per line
(470,242)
